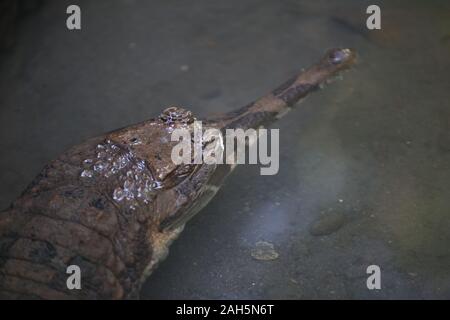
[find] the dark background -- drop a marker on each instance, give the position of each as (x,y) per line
(364,169)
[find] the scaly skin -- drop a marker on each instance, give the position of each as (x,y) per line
(76,211)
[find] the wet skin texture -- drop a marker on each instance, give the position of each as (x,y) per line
(113,204)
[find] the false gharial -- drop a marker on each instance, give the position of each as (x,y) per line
(113,204)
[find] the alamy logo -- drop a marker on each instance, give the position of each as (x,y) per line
(374,280)
(374,20)
(210,147)
(73,21)
(74,280)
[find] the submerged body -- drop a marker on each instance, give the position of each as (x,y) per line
(113,204)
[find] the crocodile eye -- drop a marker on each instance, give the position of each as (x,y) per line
(135,141)
(174,115)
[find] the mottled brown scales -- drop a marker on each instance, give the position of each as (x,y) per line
(113,204)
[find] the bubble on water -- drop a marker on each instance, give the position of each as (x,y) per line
(141,165)
(128,194)
(136,184)
(139,192)
(128,185)
(87,173)
(123,161)
(118,194)
(101,154)
(108,173)
(98,167)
